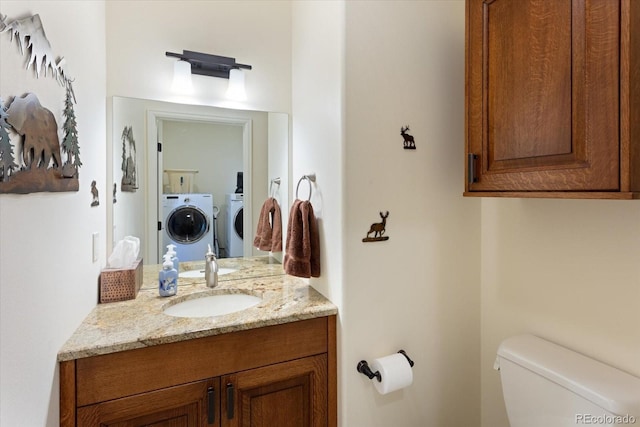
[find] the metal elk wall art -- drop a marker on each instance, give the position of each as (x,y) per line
(32,156)
(128,182)
(409,142)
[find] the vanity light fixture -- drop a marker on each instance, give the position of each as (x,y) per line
(216,66)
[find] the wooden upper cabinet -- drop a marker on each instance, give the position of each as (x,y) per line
(549,96)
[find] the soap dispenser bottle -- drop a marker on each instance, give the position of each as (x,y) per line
(211,268)
(167,278)
(171,250)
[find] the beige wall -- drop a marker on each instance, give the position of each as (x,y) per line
(399,63)
(48,281)
(566,270)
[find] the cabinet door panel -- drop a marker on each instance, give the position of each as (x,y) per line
(291,394)
(187,405)
(527,74)
(543,94)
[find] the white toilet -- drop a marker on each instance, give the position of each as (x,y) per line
(546,385)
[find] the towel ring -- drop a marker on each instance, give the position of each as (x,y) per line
(273,181)
(310,178)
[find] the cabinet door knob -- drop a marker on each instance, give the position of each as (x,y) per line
(230,402)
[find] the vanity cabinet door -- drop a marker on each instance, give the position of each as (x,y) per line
(543,97)
(190,405)
(290,394)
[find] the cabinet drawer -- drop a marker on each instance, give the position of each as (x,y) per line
(111,376)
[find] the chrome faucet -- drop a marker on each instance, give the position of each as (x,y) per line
(211,269)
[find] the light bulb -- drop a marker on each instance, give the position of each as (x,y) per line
(236,90)
(182,77)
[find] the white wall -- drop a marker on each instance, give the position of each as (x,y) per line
(371,68)
(48,282)
(278,168)
(317,142)
(214,150)
(254,32)
(566,270)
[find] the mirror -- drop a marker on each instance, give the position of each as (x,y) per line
(202,150)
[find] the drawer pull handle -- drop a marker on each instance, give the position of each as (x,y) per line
(230,402)
(211,405)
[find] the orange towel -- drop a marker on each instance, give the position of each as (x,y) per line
(269,231)
(302,257)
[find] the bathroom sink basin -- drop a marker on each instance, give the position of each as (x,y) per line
(199,274)
(212,305)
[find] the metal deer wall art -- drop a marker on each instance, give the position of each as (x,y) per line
(378,229)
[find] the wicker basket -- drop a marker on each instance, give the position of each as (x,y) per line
(120,284)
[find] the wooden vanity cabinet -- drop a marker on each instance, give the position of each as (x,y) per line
(187,405)
(282,375)
(553,98)
(291,394)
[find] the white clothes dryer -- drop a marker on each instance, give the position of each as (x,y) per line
(188,224)
(235,228)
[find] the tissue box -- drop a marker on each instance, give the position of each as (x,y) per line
(120,284)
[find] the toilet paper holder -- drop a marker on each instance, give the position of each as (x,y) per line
(363,367)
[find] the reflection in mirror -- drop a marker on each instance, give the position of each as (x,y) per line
(216,163)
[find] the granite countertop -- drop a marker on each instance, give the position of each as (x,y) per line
(140,322)
(241,268)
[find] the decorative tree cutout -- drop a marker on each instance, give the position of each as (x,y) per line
(70,141)
(7,160)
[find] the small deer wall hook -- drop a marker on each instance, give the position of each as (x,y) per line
(409,143)
(378,230)
(94,194)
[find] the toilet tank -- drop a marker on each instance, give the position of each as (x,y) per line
(546,385)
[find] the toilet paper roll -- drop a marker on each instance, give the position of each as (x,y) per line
(395,371)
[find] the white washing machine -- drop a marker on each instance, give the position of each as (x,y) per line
(188,224)
(235,229)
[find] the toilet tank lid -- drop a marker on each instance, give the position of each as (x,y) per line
(606,386)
